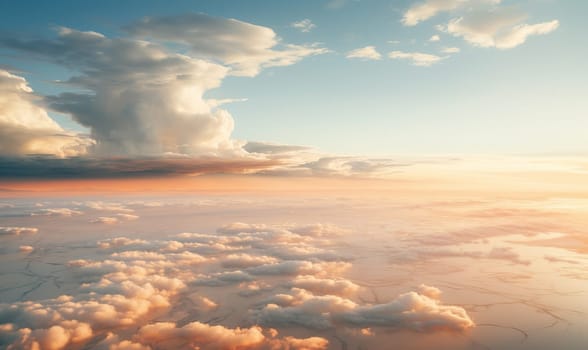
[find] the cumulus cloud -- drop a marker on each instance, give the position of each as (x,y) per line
(153,294)
(416,58)
(304,25)
(435,38)
(140,98)
(246,260)
(25,126)
(197,334)
(366,53)
(412,311)
(15,231)
(323,286)
(244,46)
(119,242)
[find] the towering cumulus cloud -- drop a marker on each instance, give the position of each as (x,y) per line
(141,98)
(26,128)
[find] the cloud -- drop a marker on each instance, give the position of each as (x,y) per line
(323,286)
(424,10)
(419,311)
(26,248)
(39,167)
(450,50)
(16,231)
(57,212)
(105,220)
(25,126)
(200,334)
(435,38)
(482,23)
(246,260)
(121,300)
(245,47)
(120,242)
(304,25)
(501,28)
(273,148)
(127,216)
(197,334)
(141,98)
(416,58)
(366,53)
(110,220)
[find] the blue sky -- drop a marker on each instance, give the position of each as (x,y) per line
(525,99)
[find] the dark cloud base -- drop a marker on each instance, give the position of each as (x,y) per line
(45,167)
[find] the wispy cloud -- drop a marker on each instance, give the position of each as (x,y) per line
(304,25)
(366,53)
(484,23)
(416,58)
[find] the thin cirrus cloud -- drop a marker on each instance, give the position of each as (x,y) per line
(365,53)
(483,23)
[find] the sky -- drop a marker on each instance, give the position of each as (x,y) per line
(297,175)
(343,78)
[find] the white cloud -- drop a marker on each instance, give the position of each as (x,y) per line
(429,8)
(246,260)
(25,126)
(416,58)
(450,50)
(139,97)
(121,299)
(322,286)
(412,311)
(57,212)
(500,29)
(244,46)
(304,25)
(15,231)
(367,53)
(435,38)
(483,23)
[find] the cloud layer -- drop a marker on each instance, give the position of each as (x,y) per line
(137,296)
